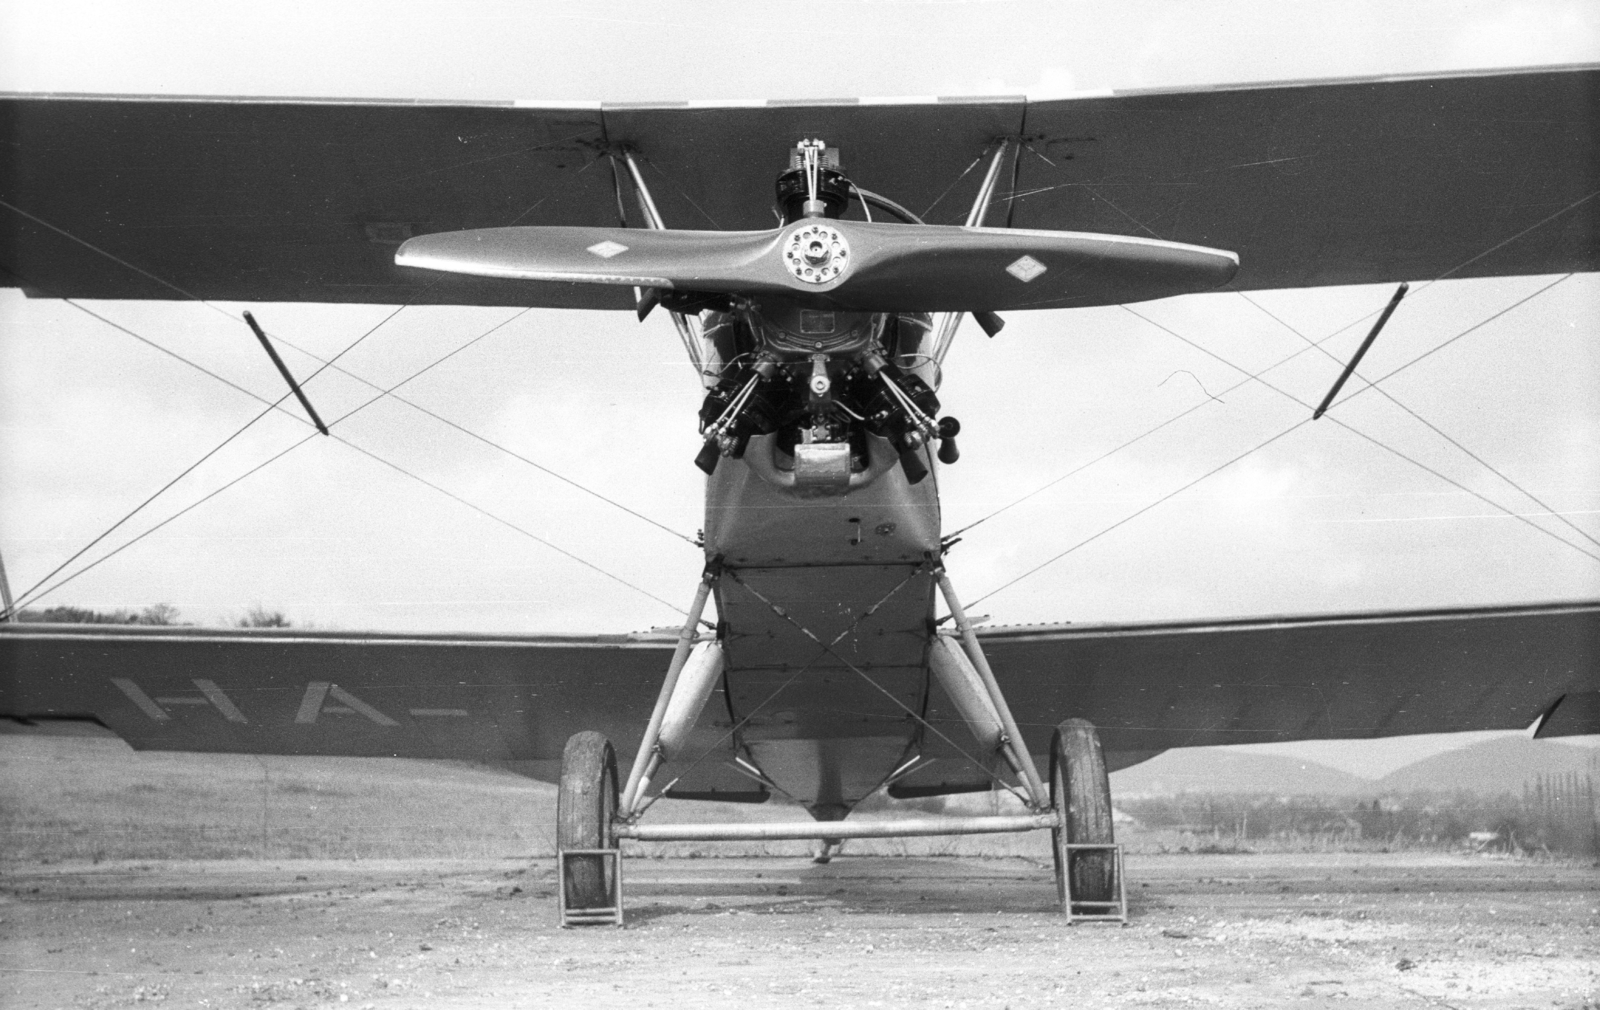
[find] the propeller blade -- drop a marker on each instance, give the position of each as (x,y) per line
(847,265)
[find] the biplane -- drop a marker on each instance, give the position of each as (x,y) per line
(817,309)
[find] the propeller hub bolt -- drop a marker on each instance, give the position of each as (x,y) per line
(816,253)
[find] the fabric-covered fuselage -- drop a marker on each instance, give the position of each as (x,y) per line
(825,607)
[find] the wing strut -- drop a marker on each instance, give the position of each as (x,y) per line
(9,613)
(1388,310)
(688,330)
(283,370)
(990,322)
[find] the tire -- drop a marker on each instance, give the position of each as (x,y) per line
(585,807)
(1080,791)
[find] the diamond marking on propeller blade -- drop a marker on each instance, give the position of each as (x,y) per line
(607,249)
(1026,269)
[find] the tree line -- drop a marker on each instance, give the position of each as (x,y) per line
(163,614)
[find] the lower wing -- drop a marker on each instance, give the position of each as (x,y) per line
(516,700)
(1191,684)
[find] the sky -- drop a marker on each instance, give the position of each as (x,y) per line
(93,421)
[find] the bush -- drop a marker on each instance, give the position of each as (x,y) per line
(156,614)
(1555,814)
(259,616)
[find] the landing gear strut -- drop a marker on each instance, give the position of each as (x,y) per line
(594,816)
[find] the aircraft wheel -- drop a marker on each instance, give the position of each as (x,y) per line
(585,807)
(1081,791)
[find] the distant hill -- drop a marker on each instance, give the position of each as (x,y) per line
(1213,770)
(1494,766)
(1490,767)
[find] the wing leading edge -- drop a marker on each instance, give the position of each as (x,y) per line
(1337,182)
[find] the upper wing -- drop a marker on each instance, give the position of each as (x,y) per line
(1310,183)
(1339,182)
(283,201)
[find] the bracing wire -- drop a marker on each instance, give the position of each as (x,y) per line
(1137,438)
(1474,327)
(1574,205)
(274,405)
(488,441)
(964,173)
(828,648)
(1430,425)
(1149,431)
(1290,357)
(1519,516)
(1389,448)
(30,596)
(510,525)
(681,191)
(185,510)
(1132,516)
(380,459)
(1244,382)
(23,597)
(324,363)
(113,257)
(1257,376)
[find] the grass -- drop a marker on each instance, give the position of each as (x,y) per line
(77,798)
(94,798)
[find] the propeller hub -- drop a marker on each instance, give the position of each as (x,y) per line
(816,253)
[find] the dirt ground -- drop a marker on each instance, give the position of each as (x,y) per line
(1389,930)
